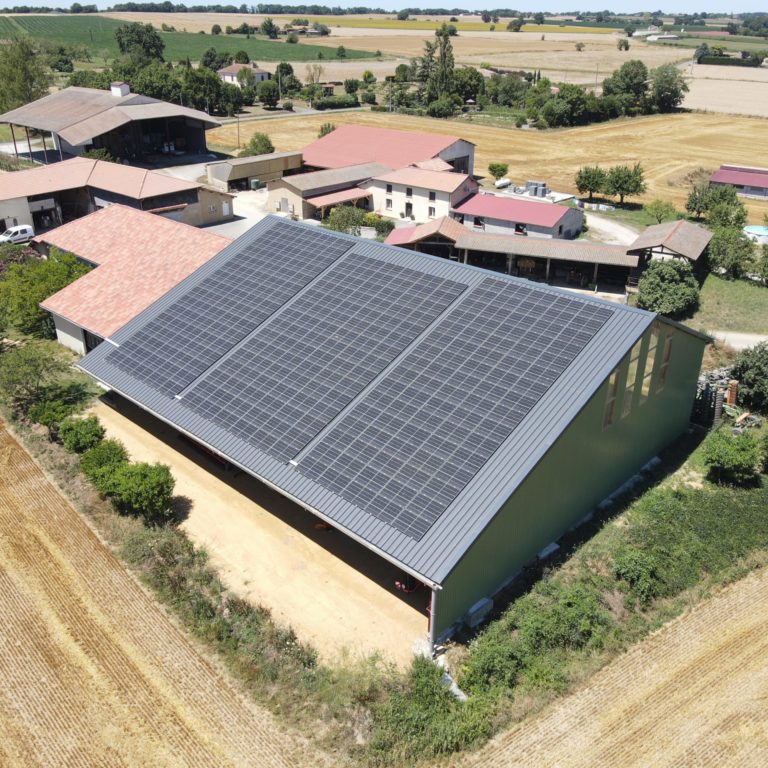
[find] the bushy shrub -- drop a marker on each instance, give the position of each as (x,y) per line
(51,414)
(732,459)
(288,106)
(382,225)
(494,660)
(441,108)
(105,455)
(139,489)
(669,288)
(639,570)
(751,369)
(368,97)
(78,435)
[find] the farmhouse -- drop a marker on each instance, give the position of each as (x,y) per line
(495,214)
(138,257)
(229,74)
(750,182)
(355,144)
(53,194)
(416,193)
(239,173)
(451,421)
(129,126)
(310,195)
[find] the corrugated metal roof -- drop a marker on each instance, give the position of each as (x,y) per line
(680,237)
(350,174)
(742,177)
(433,556)
(543,214)
(547,248)
(80,114)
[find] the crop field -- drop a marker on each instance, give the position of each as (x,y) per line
(730,90)
(97,33)
(93,671)
(691,696)
(669,146)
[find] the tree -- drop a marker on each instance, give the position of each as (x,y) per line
(141,43)
(269,29)
(697,201)
(498,170)
(668,88)
(732,459)
(538,18)
(26,371)
(268,93)
(104,455)
(661,210)
(723,214)
(441,108)
(625,181)
(346,218)
(246,78)
(25,285)
(485,16)
(629,85)
(629,30)
(351,86)
(516,24)
(402,73)
(341,52)
(591,179)
(215,29)
(669,288)
(23,76)
(260,144)
(580,47)
(78,434)
(468,83)
(435,69)
(242,57)
(751,369)
(369,78)
(403,15)
(141,489)
(730,252)
(622,44)
(215,61)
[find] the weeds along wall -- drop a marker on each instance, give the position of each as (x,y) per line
(583,467)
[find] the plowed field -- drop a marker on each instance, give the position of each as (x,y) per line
(695,695)
(92,672)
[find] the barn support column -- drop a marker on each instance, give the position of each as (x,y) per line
(29,143)
(547,275)
(466,251)
(13,136)
(45,149)
(432,621)
(594,274)
(509,263)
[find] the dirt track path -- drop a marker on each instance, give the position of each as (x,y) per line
(694,694)
(92,672)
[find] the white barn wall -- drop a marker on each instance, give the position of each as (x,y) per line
(69,334)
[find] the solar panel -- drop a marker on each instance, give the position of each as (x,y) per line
(186,338)
(288,380)
(406,450)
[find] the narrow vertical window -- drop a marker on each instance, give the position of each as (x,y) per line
(650,362)
(610,400)
(629,390)
(665,360)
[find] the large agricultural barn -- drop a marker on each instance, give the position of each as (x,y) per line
(451,420)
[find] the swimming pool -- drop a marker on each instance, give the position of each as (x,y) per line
(757,232)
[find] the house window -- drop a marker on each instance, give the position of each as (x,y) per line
(409,192)
(650,363)
(389,189)
(389,204)
(610,401)
(432,197)
(431,212)
(629,390)
(665,360)
(479,221)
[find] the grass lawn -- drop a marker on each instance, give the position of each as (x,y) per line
(732,305)
(98,35)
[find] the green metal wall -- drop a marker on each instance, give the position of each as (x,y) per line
(581,469)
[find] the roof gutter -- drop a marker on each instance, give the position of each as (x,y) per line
(384,555)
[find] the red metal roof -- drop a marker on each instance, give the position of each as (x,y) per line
(141,257)
(511,209)
(742,177)
(355,144)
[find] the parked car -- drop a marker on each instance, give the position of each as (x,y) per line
(22,233)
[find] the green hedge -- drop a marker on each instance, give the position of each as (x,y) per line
(729,61)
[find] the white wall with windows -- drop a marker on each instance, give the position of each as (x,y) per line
(418,204)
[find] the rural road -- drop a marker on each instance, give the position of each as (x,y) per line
(693,695)
(93,671)
(608,231)
(739,341)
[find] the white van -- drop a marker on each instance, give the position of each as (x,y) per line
(22,233)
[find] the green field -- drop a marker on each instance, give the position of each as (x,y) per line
(730,44)
(98,35)
(731,305)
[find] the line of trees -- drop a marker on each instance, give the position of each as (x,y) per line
(621,181)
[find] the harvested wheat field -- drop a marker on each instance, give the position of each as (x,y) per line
(694,695)
(669,146)
(732,90)
(93,672)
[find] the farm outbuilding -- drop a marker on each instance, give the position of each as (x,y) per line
(747,181)
(453,421)
(240,173)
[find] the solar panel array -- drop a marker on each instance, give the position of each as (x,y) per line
(182,341)
(286,382)
(406,450)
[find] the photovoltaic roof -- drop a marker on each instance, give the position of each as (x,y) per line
(400,396)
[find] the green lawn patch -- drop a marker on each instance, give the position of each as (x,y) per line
(731,305)
(98,35)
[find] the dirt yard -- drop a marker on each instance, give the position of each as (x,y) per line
(336,594)
(668,146)
(692,696)
(93,672)
(730,90)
